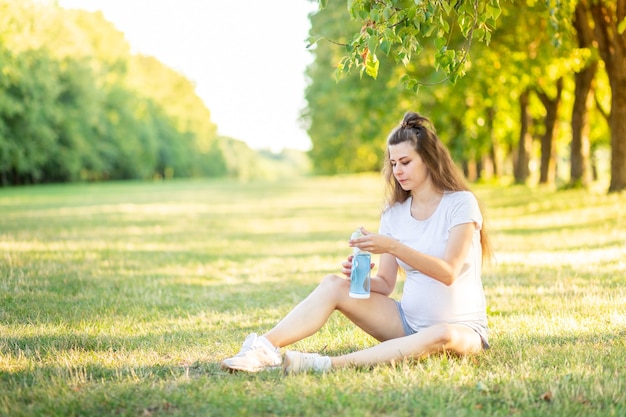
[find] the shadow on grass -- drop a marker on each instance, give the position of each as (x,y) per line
(77,285)
(495,383)
(164,298)
(595,224)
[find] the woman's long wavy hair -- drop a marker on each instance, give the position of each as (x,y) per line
(445,175)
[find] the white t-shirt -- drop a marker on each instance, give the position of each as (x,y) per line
(425,300)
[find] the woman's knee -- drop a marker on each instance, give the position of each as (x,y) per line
(333,286)
(443,335)
(455,339)
(334,281)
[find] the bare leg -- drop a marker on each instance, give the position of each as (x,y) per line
(378,315)
(449,337)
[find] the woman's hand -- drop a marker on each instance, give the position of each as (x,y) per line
(346,266)
(373,243)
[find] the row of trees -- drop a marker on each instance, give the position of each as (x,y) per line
(77,105)
(554,74)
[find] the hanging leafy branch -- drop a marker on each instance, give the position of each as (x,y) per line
(400,28)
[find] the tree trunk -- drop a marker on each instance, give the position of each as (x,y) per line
(469,169)
(496,170)
(521,169)
(618,136)
(607,15)
(548,140)
(580,158)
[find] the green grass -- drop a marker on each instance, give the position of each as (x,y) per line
(121,299)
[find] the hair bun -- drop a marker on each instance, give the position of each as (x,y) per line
(412,120)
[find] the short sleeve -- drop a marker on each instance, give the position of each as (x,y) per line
(465,209)
(384,228)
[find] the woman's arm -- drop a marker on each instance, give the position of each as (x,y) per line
(385,280)
(444,269)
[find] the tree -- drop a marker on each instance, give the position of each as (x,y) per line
(28,114)
(399,28)
(345,119)
(521,168)
(548,139)
(580,160)
(176,96)
(78,105)
(609,19)
(75,104)
(519,64)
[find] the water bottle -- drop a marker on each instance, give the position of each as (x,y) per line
(360,274)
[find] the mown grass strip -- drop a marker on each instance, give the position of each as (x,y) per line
(121,299)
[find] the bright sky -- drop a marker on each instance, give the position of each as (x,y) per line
(246,57)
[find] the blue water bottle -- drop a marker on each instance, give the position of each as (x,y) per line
(360,274)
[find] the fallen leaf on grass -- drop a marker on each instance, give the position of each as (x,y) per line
(546,396)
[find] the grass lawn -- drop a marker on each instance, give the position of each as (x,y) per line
(121,299)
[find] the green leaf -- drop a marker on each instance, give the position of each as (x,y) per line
(375,15)
(480,33)
(372,43)
(440,44)
(387,12)
(391,35)
(428,29)
(385,46)
(447,7)
(338,74)
(487,38)
(341,70)
(312,41)
(371,65)
(445,26)
(493,11)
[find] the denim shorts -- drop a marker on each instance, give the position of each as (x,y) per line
(481,330)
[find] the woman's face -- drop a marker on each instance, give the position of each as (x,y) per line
(408,167)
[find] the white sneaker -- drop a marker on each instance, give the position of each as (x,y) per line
(254,356)
(301,362)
